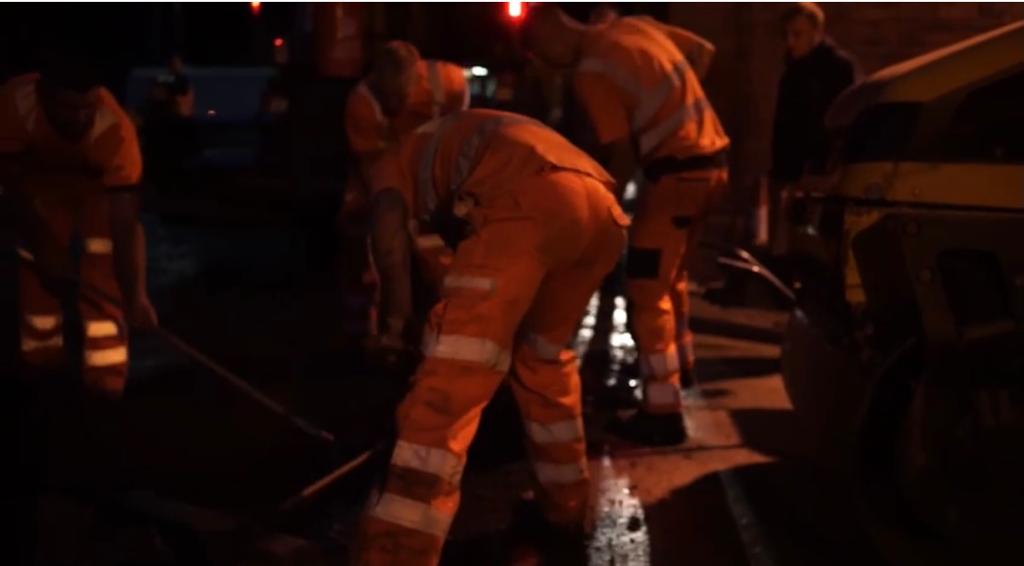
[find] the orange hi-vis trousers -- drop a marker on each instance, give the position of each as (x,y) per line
(668,218)
(512,299)
(105,346)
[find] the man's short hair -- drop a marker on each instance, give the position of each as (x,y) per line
(396,56)
(809,10)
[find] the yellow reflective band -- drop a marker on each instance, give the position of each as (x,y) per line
(559,474)
(100,328)
(98,358)
(551,433)
(412,514)
(99,246)
(31,345)
(436,461)
(43,322)
(467,349)
(545,350)
(469,282)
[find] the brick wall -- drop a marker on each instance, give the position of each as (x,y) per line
(742,82)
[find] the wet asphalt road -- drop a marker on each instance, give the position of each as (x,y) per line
(740,491)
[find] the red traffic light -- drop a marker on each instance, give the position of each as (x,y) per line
(278,42)
(514,9)
(255,7)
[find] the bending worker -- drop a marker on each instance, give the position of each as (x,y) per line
(648,110)
(541,229)
(70,157)
(401,93)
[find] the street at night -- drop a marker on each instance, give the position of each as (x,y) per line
(512,283)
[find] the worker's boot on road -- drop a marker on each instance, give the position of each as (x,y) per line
(536,541)
(651,429)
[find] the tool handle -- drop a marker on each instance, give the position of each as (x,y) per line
(315,488)
(241,384)
(104,301)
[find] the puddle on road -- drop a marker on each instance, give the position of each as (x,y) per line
(620,532)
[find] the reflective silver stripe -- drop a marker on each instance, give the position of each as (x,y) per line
(466,95)
(429,242)
(103,357)
(660,364)
(617,75)
(544,349)
(467,349)
(436,86)
(105,119)
(100,328)
(469,282)
(426,189)
(31,345)
(412,514)
(465,162)
(551,433)
(99,246)
(377,111)
(25,102)
(662,393)
(43,322)
(649,102)
(473,149)
(555,474)
(649,105)
(436,461)
(24,254)
(651,139)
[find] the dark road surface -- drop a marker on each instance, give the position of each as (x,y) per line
(741,491)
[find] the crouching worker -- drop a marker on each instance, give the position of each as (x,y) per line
(537,228)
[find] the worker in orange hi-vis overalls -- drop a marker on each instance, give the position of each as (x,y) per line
(541,228)
(648,111)
(70,157)
(401,93)
(698,53)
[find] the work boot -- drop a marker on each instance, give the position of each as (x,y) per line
(650,429)
(536,541)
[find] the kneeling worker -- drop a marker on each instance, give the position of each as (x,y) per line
(539,230)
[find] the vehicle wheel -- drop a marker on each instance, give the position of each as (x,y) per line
(940,466)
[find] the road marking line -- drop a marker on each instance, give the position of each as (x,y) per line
(755,545)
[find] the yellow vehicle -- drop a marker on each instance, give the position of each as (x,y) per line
(905,352)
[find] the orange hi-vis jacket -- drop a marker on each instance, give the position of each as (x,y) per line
(634,82)
(453,159)
(440,89)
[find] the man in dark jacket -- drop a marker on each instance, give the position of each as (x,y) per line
(817,71)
